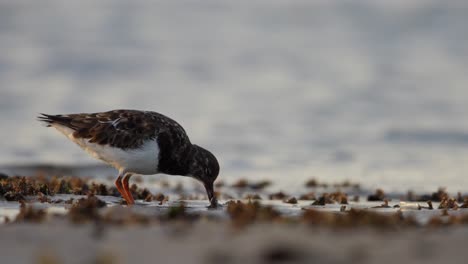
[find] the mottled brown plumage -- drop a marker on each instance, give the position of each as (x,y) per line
(125,129)
(141,142)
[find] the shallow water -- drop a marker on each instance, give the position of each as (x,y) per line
(371,92)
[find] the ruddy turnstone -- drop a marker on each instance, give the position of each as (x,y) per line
(138,142)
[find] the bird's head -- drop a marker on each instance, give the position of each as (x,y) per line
(205,168)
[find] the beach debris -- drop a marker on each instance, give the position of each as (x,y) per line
(278,196)
(313,183)
(176,211)
(19,188)
(323,200)
(291,200)
(331,198)
(384,205)
(260,185)
(308,196)
(42,189)
(15,188)
(429,203)
(179,213)
(347,184)
(28,213)
(144,194)
(428,207)
(448,203)
(86,209)
(339,197)
(99,189)
(43,198)
(465,203)
(409,205)
(440,195)
(379,195)
(243,183)
(243,214)
(161,198)
(252,197)
(12,196)
(410,197)
(437,196)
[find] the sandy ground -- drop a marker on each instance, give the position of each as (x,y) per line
(205,242)
(98,229)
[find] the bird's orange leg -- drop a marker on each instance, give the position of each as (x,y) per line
(118,184)
(125,180)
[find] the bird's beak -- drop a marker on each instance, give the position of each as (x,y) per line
(210,193)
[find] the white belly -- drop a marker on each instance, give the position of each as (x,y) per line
(143,160)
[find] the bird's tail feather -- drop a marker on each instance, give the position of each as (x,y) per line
(49,120)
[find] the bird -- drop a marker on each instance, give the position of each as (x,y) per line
(138,142)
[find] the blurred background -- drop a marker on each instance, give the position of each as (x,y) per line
(369,91)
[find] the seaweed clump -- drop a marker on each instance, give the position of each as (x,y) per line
(243,214)
(86,209)
(308,196)
(331,198)
(313,183)
(28,213)
(465,203)
(278,196)
(252,197)
(243,183)
(379,195)
(448,203)
(179,213)
(291,200)
(18,188)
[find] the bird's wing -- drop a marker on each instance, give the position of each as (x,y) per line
(126,129)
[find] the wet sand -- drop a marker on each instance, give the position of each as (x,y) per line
(205,242)
(49,218)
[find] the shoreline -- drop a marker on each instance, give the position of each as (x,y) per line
(51,219)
